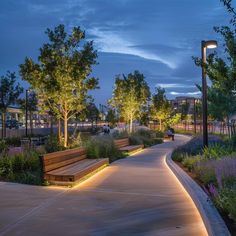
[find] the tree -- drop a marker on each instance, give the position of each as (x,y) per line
(9,93)
(111,116)
(61,75)
(31,104)
(160,108)
(222,71)
(131,93)
(92,112)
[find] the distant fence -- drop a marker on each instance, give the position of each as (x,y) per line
(213,127)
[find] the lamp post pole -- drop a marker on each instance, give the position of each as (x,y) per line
(26,112)
(194,116)
(204,46)
(204,97)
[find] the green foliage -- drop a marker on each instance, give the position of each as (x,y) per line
(160,108)
(3,145)
(178,156)
(102,147)
(9,94)
(13,141)
(159,134)
(53,144)
(190,161)
(91,112)
(205,172)
(10,91)
(120,134)
(111,117)
(22,168)
(130,96)
(217,151)
(226,201)
(60,77)
(145,137)
(221,71)
(233,140)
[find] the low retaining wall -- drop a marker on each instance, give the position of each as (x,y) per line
(213,222)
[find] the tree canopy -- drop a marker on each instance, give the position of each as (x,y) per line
(130,95)
(9,94)
(160,108)
(61,75)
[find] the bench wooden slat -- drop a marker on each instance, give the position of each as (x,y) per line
(67,161)
(131,148)
(75,151)
(121,142)
(75,171)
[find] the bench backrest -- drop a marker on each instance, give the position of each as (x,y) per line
(119,143)
(55,160)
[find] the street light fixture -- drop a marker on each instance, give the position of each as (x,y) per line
(205,44)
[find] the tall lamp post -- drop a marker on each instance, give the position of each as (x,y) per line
(205,44)
(26,112)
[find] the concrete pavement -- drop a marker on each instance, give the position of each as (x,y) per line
(138,195)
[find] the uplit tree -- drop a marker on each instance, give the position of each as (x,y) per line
(60,77)
(160,108)
(9,94)
(131,93)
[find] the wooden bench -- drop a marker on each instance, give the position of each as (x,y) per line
(69,166)
(123,145)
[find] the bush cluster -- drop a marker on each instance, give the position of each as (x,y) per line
(103,147)
(23,168)
(215,167)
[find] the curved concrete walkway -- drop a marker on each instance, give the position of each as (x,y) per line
(138,195)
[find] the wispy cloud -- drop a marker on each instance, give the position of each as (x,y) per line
(111,42)
(185,94)
(175,86)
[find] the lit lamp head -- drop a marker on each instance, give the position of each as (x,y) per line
(210,44)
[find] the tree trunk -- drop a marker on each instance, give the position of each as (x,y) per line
(31,123)
(65,129)
(131,125)
(51,125)
(229,133)
(59,130)
(160,124)
(3,125)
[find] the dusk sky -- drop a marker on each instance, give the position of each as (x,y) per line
(156,37)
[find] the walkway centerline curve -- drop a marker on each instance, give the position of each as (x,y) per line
(138,195)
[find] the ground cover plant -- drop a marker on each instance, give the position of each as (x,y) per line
(215,168)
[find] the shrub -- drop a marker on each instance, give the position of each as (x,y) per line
(22,168)
(226,201)
(217,151)
(120,134)
(145,137)
(178,156)
(205,171)
(13,141)
(102,147)
(53,145)
(159,134)
(3,146)
(135,140)
(225,171)
(190,161)
(194,146)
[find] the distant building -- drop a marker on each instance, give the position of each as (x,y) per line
(183,101)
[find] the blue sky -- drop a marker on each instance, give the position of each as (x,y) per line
(156,37)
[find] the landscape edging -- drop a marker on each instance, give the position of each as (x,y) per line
(212,220)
